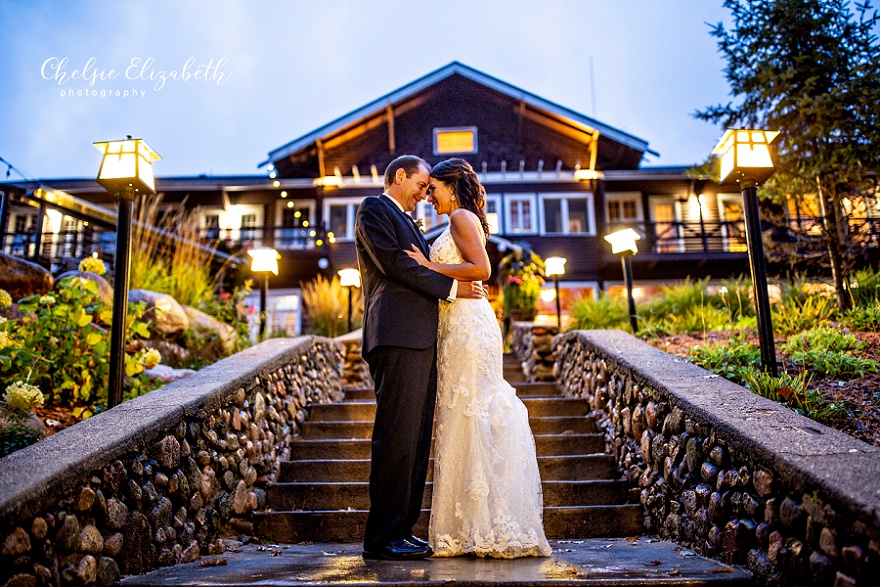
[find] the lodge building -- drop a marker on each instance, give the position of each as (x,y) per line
(556,180)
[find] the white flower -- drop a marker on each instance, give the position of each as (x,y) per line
(23,396)
(47,299)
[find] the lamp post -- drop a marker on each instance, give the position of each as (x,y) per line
(623,243)
(555,266)
(349,278)
(264,260)
(745,159)
(126,170)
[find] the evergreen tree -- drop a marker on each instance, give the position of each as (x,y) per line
(811,69)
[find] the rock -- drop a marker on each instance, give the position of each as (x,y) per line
(792,516)
(190,553)
(22,278)
(67,536)
(21,580)
(105,290)
(162,310)
(17,543)
(113,544)
(90,540)
(108,572)
(763,482)
(140,556)
(207,329)
(161,514)
(239,498)
(167,452)
(117,513)
(167,374)
(86,500)
(87,569)
(39,528)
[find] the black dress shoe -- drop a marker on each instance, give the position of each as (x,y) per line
(412,539)
(398,550)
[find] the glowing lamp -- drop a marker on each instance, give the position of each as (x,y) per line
(554,266)
(349,277)
(127,167)
(745,154)
(623,241)
(264,259)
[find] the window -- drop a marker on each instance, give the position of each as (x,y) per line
(623,209)
(340,214)
(294,221)
(520,215)
(733,225)
(455,141)
(249,225)
(429,216)
(493,213)
(567,214)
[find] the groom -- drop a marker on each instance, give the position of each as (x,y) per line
(400,346)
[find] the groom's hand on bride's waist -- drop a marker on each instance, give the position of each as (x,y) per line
(471,290)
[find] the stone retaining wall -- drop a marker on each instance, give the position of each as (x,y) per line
(732,474)
(152,482)
(533,344)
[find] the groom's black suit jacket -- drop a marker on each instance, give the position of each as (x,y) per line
(400,296)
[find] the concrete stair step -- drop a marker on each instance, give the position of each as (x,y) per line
(366,409)
(522,388)
(568,468)
(348,526)
(356,495)
(513,374)
(360,448)
(364,428)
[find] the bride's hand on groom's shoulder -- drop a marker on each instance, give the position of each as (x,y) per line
(416,254)
(471,290)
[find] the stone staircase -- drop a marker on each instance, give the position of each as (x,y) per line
(322,493)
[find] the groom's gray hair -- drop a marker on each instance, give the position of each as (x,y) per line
(409,163)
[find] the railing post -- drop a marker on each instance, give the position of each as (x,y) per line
(5,204)
(38,232)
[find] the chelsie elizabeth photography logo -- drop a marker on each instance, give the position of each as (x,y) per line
(128,81)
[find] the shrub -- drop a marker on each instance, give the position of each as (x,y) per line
(728,360)
(327,304)
(822,338)
(702,318)
(796,316)
(19,398)
(865,288)
(863,319)
(835,364)
(679,298)
(62,347)
(792,391)
(588,313)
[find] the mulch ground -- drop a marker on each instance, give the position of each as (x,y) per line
(862,393)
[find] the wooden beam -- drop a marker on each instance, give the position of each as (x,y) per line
(389,115)
(594,149)
(320,145)
(356,173)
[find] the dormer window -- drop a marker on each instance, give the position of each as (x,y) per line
(460,140)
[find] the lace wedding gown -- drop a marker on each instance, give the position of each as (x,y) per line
(487,497)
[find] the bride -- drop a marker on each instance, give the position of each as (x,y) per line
(487,497)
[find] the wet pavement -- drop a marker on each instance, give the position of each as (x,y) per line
(599,561)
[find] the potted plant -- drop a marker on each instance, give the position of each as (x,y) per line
(521,274)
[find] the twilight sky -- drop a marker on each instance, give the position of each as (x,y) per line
(261,73)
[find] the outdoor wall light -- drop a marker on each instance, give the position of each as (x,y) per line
(349,278)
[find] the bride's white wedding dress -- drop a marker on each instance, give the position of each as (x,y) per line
(487,497)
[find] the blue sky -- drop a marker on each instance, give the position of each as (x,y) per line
(275,70)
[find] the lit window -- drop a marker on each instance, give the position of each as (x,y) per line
(567,214)
(455,141)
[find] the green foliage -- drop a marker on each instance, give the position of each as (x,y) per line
(229,308)
(16,437)
(865,319)
(835,364)
(865,288)
(793,392)
(729,360)
(822,338)
(327,305)
(678,298)
(701,318)
(734,297)
(62,345)
(796,316)
(588,313)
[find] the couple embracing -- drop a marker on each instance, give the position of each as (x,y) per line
(431,337)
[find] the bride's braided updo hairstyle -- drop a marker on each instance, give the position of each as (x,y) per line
(466,187)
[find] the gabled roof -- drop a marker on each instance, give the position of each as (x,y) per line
(432,78)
